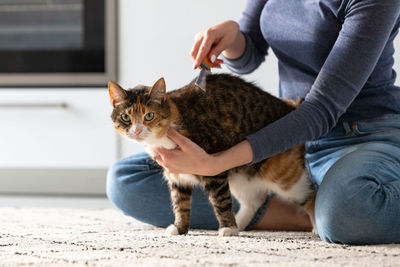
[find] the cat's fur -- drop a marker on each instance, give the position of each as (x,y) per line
(216,120)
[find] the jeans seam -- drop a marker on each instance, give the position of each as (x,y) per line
(259,213)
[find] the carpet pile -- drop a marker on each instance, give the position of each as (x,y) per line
(84,237)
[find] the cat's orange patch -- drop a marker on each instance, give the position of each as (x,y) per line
(284,169)
(174,117)
(292,102)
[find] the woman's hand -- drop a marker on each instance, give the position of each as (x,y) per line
(187,158)
(192,159)
(224,37)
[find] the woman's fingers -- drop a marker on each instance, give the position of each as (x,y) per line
(205,46)
(206,41)
(198,39)
(213,41)
(164,164)
(187,158)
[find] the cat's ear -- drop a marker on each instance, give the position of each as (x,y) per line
(117,93)
(158,92)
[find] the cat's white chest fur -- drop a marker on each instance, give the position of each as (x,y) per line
(152,142)
(182,178)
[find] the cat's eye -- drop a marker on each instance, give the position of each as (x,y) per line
(125,117)
(149,116)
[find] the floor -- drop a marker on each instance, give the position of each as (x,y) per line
(82,231)
(94,236)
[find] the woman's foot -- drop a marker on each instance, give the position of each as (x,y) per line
(283,216)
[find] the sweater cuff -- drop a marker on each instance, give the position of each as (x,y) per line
(241,64)
(259,152)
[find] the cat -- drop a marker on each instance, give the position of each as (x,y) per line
(215,119)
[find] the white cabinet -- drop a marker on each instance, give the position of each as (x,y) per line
(61,134)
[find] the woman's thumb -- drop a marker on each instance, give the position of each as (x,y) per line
(176,137)
(215,52)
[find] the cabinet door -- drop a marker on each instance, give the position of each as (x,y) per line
(53,128)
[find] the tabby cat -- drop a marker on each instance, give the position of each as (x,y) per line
(217,119)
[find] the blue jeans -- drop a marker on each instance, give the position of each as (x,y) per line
(356,169)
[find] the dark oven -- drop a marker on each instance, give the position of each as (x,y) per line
(57,42)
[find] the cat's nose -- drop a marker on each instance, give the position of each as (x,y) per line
(138,131)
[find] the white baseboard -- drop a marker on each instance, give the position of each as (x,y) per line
(53,181)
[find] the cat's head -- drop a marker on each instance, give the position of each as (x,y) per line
(141,113)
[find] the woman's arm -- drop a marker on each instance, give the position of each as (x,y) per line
(256,46)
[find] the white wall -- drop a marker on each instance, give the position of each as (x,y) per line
(155,38)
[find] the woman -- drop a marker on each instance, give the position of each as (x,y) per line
(338,55)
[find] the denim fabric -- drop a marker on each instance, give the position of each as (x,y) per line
(355,167)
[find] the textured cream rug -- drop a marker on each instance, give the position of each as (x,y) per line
(65,237)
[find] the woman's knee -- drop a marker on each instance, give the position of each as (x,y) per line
(356,201)
(130,181)
(128,171)
(352,212)
(113,182)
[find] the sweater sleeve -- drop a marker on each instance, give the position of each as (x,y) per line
(366,29)
(256,46)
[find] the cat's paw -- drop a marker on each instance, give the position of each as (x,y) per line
(228,231)
(171,230)
(314,230)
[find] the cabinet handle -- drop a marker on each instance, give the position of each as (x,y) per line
(34,105)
